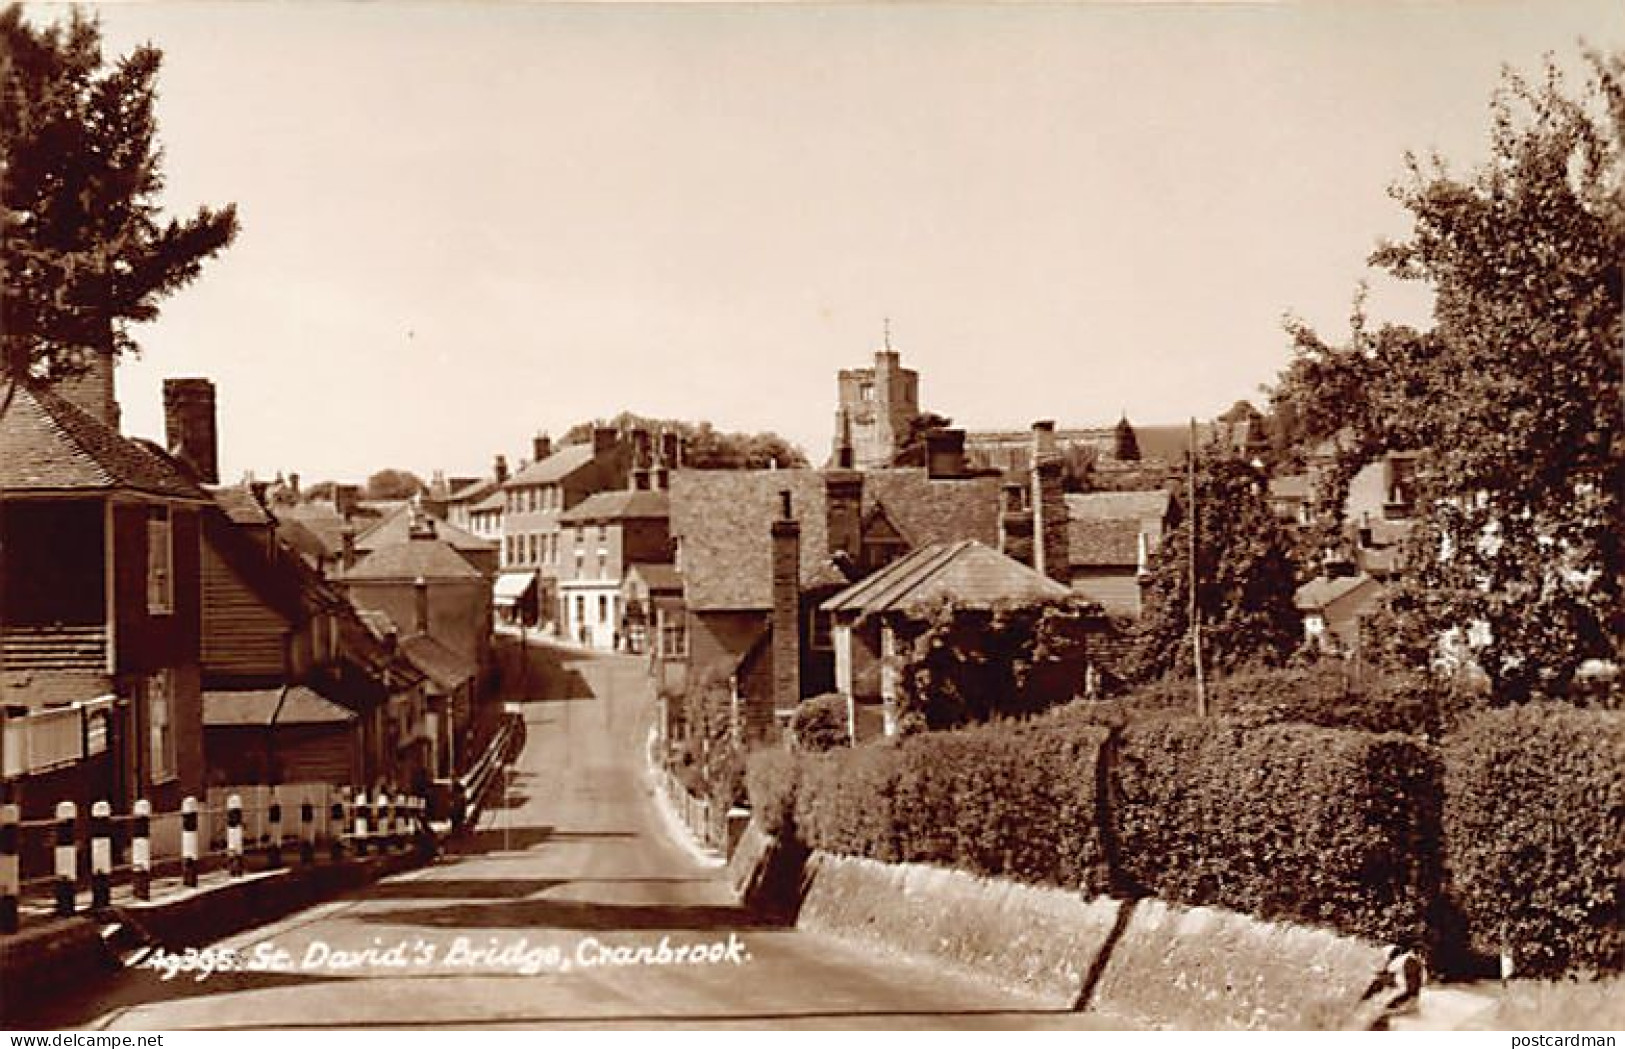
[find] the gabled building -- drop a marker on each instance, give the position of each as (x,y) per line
(603,536)
(1111,538)
(100,607)
(396,527)
(540,492)
(870,618)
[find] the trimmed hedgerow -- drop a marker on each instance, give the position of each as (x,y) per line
(1534,824)
(1289,821)
(1011,800)
(770,783)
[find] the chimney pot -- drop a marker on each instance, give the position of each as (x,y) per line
(945,453)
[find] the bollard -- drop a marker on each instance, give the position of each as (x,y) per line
(67,858)
(101,855)
(361,816)
(335,828)
(141,850)
(275,856)
(189,842)
(10,867)
(234,836)
(307,833)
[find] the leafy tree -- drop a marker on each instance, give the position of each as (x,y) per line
(705,447)
(83,251)
(1246,578)
(393,484)
(962,665)
(1512,398)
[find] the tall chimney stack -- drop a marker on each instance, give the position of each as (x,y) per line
(499,468)
(541,446)
(189,426)
(761,724)
(640,477)
(92,387)
(1050,554)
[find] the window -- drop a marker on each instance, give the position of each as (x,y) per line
(820,639)
(603,565)
(581,609)
(603,532)
(673,639)
(603,608)
(160,562)
(160,689)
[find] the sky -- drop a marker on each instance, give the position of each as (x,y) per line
(466,223)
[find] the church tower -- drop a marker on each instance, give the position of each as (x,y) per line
(874,406)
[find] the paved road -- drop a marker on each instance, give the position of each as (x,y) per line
(533,924)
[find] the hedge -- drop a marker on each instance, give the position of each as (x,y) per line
(1284,821)
(1291,821)
(1534,825)
(1011,800)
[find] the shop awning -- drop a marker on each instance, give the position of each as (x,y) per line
(511,587)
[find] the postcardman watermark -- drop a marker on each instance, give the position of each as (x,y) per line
(517,956)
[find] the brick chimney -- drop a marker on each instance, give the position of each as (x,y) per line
(641,476)
(1015,524)
(541,446)
(1050,554)
(92,388)
(670,456)
(843,505)
(604,439)
(293,484)
(345,499)
(842,456)
(499,469)
(760,723)
(945,453)
(189,427)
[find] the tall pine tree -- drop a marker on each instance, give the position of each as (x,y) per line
(84,251)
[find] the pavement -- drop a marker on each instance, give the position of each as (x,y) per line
(570,905)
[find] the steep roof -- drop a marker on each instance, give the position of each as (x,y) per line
(292,705)
(724,517)
(49,444)
(397,528)
(241,507)
(554,468)
(446,669)
(658,577)
(1104,528)
(493,500)
(966,572)
(319,521)
(413,559)
(477,489)
(619,504)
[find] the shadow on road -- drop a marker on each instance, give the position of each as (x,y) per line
(575,915)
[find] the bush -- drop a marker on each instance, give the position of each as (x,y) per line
(1534,825)
(770,782)
(820,723)
(1007,799)
(1295,822)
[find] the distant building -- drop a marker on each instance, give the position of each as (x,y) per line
(873,409)
(1112,537)
(603,536)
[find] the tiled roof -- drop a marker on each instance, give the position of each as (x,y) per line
(377,622)
(658,577)
(413,559)
(495,500)
(321,521)
(966,572)
(473,490)
(554,468)
(1321,592)
(1104,528)
(48,444)
(241,507)
(1118,506)
(724,517)
(298,704)
(302,540)
(445,668)
(397,528)
(619,504)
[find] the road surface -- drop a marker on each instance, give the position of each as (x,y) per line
(570,906)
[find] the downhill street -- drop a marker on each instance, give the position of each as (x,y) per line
(521,927)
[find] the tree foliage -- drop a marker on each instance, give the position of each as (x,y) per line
(84,252)
(704,446)
(391,483)
(962,665)
(1245,572)
(1512,398)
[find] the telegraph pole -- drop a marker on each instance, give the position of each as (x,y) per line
(1195,607)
